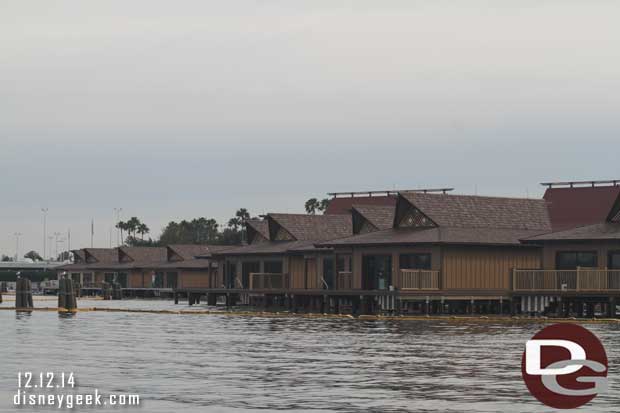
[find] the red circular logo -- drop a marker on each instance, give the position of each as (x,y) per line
(564,366)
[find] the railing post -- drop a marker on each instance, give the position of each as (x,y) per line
(577,279)
(514,279)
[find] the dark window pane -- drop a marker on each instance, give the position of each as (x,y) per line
(566,261)
(328,273)
(273,267)
(614,261)
(423,261)
(248,268)
(572,260)
(405,261)
(158,280)
(344,263)
(172,280)
(415,261)
(121,278)
(586,259)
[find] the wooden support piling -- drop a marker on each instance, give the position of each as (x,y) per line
(23,294)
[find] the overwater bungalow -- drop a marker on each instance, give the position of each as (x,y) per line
(431,252)
(143,270)
(281,252)
(579,272)
(444,252)
(423,251)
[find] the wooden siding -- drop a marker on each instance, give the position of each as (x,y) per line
(193,279)
(485,268)
(296,271)
(135,279)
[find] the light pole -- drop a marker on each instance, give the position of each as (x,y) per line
(50,239)
(117,212)
(44,210)
(60,241)
(17,235)
(56,235)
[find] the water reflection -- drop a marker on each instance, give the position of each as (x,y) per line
(221,363)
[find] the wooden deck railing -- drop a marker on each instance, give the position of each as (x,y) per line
(419,279)
(345,280)
(268,281)
(581,279)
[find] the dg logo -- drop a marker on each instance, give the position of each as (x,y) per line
(564,366)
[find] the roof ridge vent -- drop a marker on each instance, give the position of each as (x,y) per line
(573,184)
(386,192)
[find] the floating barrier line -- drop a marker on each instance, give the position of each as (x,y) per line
(447,318)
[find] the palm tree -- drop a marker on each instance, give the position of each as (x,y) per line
(323,204)
(142,229)
(132,226)
(122,226)
(312,205)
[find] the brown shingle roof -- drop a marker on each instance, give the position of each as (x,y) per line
(342,205)
(193,264)
(103,255)
(436,235)
(380,216)
(269,247)
(187,252)
(469,211)
(314,227)
(260,226)
(78,256)
(191,251)
(145,254)
(574,207)
(601,231)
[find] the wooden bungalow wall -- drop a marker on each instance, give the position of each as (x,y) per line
(485,268)
(461,267)
(602,248)
(306,271)
(194,279)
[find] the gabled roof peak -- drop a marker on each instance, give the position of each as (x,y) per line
(304,227)
(474,211)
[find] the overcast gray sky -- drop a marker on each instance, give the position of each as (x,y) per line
(175,110)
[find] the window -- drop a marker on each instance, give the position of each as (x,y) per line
(273,267)
(570,260)
(158,280)
(614,260)
(328,273)
(109,277)
(376,272)
(121,278)
(415,261)
(171,280)
(248,268)
(344,263)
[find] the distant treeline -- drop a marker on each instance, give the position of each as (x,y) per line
(196,231)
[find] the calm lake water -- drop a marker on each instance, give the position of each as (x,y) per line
(218,363)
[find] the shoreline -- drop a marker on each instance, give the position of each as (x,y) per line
(449,318)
